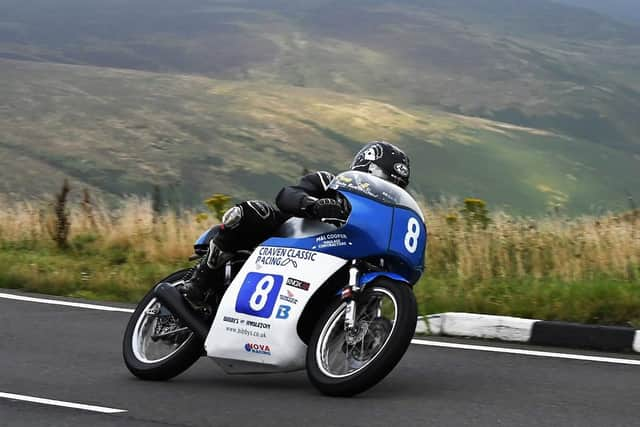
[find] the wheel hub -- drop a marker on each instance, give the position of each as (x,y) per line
(357,333)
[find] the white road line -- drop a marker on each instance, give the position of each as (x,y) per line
(51,402)
(527,352)
(65,303)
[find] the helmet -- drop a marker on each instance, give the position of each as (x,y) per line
(383,160)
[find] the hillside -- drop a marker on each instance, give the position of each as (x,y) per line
(623,10)
(120,131)
(530,62)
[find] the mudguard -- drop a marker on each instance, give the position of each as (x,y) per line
(367,278)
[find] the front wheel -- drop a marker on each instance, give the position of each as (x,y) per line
(156,345)
(344,363)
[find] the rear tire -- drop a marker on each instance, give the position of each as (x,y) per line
(164,368)
(388,348)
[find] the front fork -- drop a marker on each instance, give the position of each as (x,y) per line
(349,295)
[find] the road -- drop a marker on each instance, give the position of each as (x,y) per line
(73,354)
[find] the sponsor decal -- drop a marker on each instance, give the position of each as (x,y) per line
(295,283)
(246,332)
(289,297)
(332,240)
(283,312)
(401,169)
(230,319)
(284,256)
(260,325)
(258,348)
(331,236)
(364,186)
(390,197)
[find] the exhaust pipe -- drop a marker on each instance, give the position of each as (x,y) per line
(171,298)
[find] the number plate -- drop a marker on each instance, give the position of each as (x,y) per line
(409,236)
(258,294)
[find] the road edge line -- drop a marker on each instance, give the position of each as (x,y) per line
(525,352)
(64,303)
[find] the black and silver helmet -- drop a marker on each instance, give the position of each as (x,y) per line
(385,161)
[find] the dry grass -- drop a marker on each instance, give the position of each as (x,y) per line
(566,249)
(162,237)
(569,250)
(582,269)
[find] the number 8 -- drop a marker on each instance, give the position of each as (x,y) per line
(260,296)
(413,233)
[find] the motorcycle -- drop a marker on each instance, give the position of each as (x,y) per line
(336,300)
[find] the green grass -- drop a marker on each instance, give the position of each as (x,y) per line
(120,274)
(600,301)
(117,274)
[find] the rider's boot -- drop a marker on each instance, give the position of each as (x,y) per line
(206,276)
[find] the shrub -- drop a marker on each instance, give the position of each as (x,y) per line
(218,204)
(475,212)
(60,225)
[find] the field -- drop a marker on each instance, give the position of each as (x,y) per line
(121,132)
(531,108)
(541,64)
(585,269)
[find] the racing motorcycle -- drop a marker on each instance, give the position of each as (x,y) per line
(337,301)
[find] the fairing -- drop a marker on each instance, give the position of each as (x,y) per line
(254,335)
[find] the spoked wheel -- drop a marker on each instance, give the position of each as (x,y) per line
(344,363)
(156,345)
(158,334)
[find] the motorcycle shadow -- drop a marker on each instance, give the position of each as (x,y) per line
(295,381)
(399,384)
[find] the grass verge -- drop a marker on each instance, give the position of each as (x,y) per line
(119,275)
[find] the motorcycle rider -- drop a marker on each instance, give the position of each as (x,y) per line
(251,222)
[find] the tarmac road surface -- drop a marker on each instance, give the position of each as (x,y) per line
(71,356)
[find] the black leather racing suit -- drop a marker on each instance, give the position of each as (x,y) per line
(253,222)
(261,219)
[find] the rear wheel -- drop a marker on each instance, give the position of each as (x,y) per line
(156,345)
(344,363)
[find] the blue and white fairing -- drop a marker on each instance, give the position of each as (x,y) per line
(255,328)
(385,222)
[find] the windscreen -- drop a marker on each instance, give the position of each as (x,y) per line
(375,188)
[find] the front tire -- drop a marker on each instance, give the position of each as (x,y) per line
(345,364)
(160,358)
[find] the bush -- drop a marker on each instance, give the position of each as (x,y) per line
(60,224)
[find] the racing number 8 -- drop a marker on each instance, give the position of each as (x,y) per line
(413,233)
(260,296)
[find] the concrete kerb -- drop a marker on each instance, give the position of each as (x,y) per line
(515,329)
